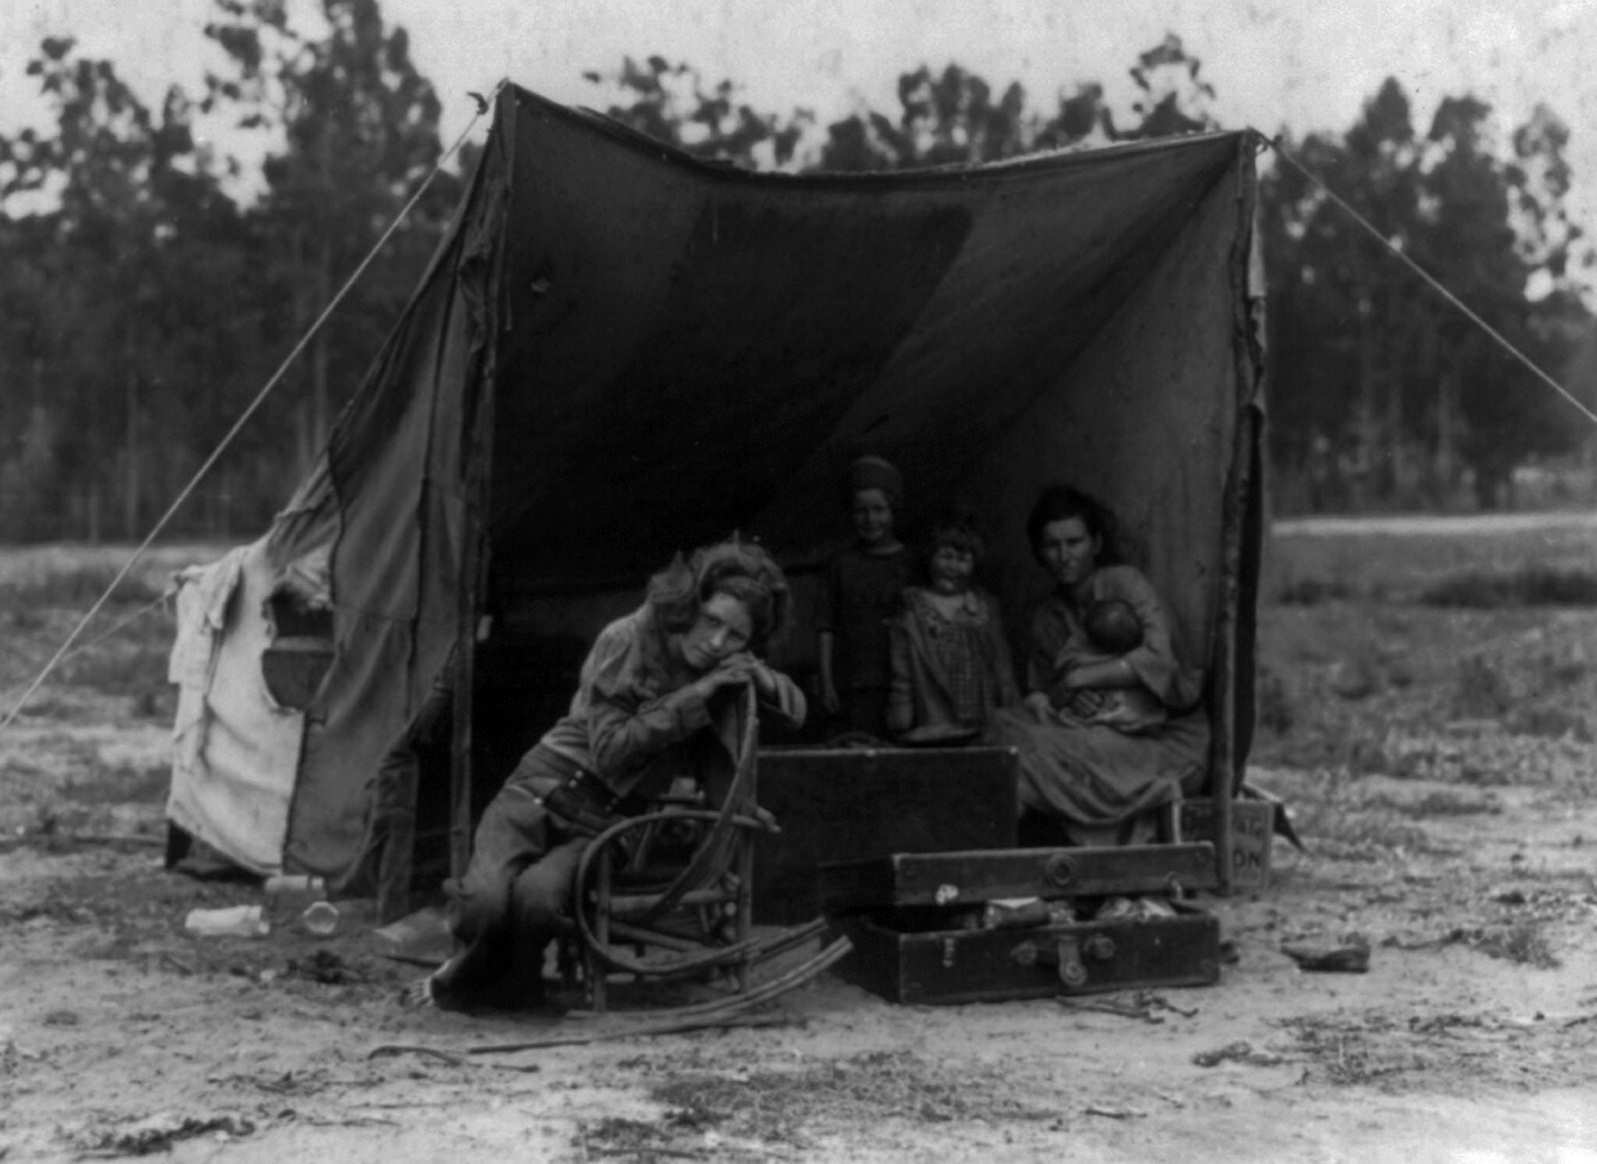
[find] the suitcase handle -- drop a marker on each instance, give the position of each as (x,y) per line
(1068,954)
(1072,970)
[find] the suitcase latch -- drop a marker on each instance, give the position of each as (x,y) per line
(1059,871)
(1099,947)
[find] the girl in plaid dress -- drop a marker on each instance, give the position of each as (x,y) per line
(950,667)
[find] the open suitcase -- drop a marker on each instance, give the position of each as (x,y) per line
(1001,924)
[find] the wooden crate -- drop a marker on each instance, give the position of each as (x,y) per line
(1252,827)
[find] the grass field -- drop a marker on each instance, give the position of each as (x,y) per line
(1399,559)
(1378,636)
(45,592)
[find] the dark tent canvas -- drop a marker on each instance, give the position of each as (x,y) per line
(620,352)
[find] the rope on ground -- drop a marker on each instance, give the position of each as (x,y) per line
(732,1011)
(1435,283)
(250,410)
(467,1057)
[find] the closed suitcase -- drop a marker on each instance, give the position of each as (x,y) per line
(848,804)
(932,928)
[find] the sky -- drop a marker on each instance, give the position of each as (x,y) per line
(1304,64)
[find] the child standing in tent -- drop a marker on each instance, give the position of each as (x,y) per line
(949,662)
(657,700)
(864,584)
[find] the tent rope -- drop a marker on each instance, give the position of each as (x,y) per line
(253,407)
(1435,283)
(118,628)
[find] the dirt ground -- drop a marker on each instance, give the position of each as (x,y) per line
(1439,763)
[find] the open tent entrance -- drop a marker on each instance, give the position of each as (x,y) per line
(620,353)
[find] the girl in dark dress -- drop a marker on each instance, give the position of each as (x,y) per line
(863,587)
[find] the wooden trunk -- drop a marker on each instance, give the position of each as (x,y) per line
(848,804)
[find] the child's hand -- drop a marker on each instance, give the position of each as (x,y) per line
(1038,704)
(829,699)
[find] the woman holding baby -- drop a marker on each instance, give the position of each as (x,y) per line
(1112,723)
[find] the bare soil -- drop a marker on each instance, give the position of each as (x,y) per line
(1439,764)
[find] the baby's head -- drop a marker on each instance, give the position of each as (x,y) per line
(1112,626)
(873,489)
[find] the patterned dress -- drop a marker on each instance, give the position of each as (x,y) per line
(950,668)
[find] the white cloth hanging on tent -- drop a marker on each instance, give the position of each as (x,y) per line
(235,751)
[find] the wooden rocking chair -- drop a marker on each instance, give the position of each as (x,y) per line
(668,895)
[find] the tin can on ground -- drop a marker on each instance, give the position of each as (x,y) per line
(288,895)
(320,918)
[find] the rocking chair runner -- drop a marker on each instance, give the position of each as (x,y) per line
(694,917)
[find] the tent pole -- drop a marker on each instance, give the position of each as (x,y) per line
(460,760)
(1224,778)
(478,485)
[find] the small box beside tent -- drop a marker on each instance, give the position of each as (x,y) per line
(619,352)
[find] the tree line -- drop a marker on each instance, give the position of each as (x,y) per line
(155,284)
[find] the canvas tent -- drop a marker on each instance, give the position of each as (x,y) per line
(619,352)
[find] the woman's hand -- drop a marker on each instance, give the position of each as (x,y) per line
(738,669)
(1116,715)
(764,678)
(732,671)
(1038,704)
(1109,672)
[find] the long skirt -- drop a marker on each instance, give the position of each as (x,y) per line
(1093,775)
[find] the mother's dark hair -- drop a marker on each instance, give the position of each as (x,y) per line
(1063,502)
(740,569)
